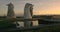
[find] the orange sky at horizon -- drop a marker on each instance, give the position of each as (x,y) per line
(41,7)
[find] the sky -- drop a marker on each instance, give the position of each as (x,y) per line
(41,7)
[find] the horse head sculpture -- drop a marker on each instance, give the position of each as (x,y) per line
(28,10)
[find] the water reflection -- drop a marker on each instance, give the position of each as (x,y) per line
(21,23)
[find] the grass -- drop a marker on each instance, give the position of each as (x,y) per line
(55,28)
(5,23)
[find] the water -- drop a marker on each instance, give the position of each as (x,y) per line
(21,23)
